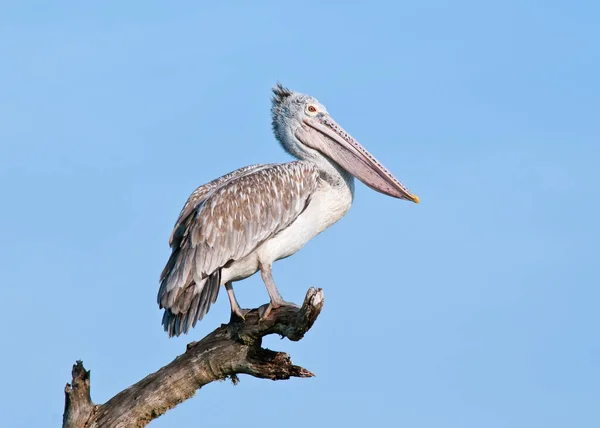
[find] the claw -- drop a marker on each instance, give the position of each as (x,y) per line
(267,310)
(239,313)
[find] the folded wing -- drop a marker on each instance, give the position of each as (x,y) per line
(224,221)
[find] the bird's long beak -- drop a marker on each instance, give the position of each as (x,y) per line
(322,133)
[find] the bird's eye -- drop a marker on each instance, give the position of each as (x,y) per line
(311,109)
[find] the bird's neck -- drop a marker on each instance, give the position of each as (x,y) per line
(332,173)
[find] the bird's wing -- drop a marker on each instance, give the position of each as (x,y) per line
(199,195)
(229,221)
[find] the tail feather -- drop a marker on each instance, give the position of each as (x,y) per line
(183,308)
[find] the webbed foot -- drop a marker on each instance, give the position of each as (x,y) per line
(265,310)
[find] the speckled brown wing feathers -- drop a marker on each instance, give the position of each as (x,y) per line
(223,221)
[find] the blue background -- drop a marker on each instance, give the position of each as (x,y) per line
(476,308)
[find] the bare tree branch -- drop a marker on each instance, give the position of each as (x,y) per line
(231,349)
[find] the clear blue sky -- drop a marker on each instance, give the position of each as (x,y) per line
(476,308)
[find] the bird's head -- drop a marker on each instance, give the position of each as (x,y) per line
(305,130)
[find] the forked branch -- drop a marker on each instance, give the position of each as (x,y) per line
(231,349)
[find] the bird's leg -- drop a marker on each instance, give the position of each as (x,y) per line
(235,306)
(276,299)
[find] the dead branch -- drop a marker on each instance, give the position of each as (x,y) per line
(231,349)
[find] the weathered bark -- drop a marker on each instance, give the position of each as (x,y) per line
(231,349)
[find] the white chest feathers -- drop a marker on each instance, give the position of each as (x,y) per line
(327,205)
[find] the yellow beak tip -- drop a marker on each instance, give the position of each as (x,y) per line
(415,199)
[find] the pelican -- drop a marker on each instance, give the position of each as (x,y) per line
(244,221)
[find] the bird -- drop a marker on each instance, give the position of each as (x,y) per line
(244,221)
